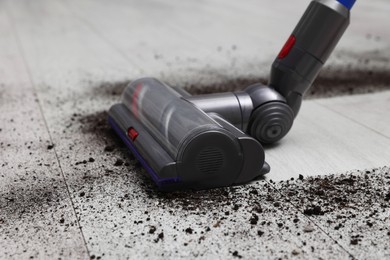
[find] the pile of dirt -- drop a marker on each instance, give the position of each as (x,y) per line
(334,81)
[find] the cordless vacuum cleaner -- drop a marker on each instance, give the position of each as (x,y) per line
(214,140)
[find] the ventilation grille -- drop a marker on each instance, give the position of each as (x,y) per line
(210,160)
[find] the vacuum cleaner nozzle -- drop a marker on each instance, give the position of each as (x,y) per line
(213,140)
(180,145)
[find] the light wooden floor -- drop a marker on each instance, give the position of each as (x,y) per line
(54,55)
(334,136)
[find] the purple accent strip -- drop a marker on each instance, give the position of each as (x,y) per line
(347,3)
(159,181)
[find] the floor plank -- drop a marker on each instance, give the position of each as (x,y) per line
(324,142)
(37,219)
(370,110)
(164,39)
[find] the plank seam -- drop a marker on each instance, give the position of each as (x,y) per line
(27,67)
(101,36)
(351,119)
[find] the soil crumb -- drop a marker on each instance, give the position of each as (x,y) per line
(97,124)
(342,203)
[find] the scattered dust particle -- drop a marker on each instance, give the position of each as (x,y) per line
(118,162)
(295,252)
(354,241)
(258,209)
(108,148)
(81,162)
(217,224)
(152,229)
(313,210)
(387,197)
(235,254)
(338,227)
(254,219)
(308,229)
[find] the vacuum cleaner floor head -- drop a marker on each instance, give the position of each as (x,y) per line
(180,145)
(209,141)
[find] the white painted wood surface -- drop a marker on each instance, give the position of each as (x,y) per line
(371,111)
(334,136)
(67,48)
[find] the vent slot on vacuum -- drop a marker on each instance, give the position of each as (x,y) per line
(210,160)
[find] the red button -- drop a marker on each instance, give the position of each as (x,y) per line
(132,133)
(287,47)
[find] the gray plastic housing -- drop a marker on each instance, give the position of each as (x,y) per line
(259,111)
(312,41)
(267,112)
(180,145)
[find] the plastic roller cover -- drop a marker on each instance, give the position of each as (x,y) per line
(180,145)
(168,117)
